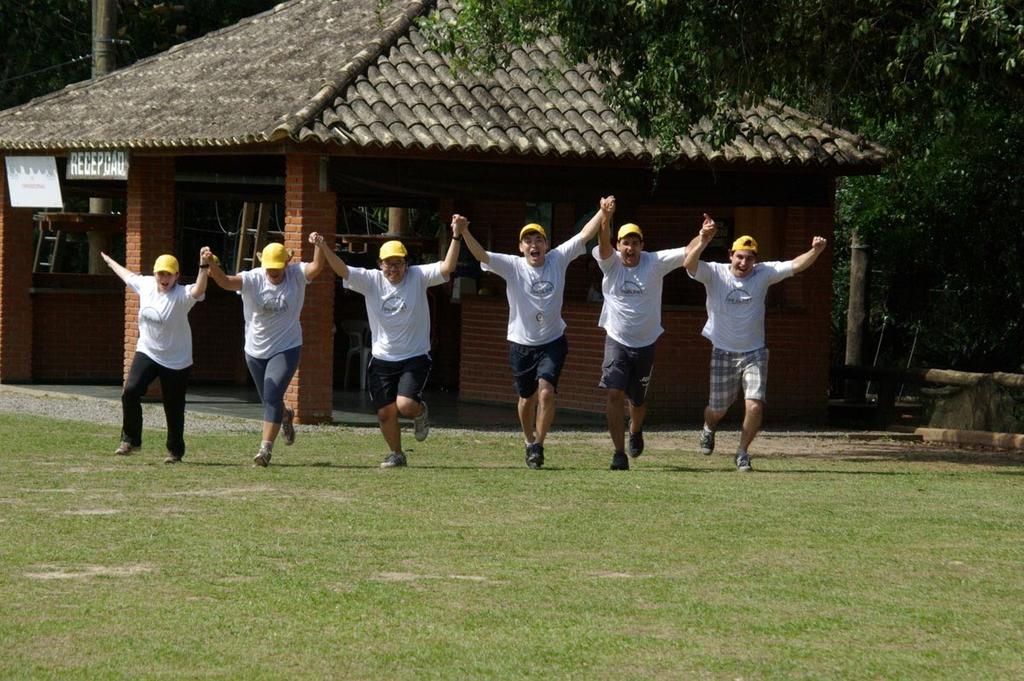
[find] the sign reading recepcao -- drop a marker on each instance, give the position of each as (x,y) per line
(32,182)
(97,165)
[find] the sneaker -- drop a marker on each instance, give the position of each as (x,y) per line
(287,429)
(394,460)
(173,458)
(263,458)
(743,462)
(620,462)
(534,455)
(422,425)
(707,441)
(126,449)
(636,444)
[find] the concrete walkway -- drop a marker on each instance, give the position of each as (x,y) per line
(351,407)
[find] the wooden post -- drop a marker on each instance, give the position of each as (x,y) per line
(856,316)
(104,25)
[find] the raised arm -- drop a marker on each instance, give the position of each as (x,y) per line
(206,257)
(314,268)
(604,235)
(589,230)
(698,244)
(227,282)
(328,255)
(451,259)
(123,272)
(474,246)
(805,260)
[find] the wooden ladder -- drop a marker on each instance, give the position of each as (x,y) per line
(48,247)
(253,233)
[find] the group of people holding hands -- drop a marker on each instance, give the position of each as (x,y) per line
(399,320)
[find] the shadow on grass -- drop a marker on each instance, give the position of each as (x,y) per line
(969,457)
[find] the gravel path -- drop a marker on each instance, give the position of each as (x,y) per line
(21,400)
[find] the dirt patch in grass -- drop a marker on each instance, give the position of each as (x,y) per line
(414,577)
(223,492)
(92,511)
(87,571)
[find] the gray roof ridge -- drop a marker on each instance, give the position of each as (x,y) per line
(173,49)
(291,124)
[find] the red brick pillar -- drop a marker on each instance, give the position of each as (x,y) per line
(308,209)
(150,232)
(16,254)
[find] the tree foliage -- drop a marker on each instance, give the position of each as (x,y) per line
(47,44)
(668,63)
(939,82)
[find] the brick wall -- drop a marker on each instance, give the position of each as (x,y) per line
(797,336)
(78,326)
(16,253)
(307,209)
(149,232)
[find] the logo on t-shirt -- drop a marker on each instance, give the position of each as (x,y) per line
(392,306)
(631,288)
(542,288)
(274,303)
(150,315)
(738,296)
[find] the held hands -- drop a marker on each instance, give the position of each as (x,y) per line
(316,238)
(460,225)
(607,206)
(707,229)
(206,256)
(818,243)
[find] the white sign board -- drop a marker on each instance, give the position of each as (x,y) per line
(98,165)
(32,182)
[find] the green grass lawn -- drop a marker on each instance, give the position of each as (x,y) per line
(908,564)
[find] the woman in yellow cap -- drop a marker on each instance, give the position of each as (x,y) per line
(272,299)
(164,349)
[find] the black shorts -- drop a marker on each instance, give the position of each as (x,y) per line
(627,369)
(530,363)
(387,380)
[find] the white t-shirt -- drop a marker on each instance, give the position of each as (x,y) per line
(736,305)
(631,314)
(164,333)
(535,293)
(399,315)
(271,311)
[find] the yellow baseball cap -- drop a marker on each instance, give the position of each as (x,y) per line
(274,256)
(532,227)
(630,228)
(393,249)
(744,243)
(166,263)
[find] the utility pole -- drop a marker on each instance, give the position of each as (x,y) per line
(104,24)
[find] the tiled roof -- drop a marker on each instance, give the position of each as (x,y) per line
(259,80)
(337,72)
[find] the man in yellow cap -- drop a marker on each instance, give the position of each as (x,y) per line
(631,317)
(164,349)
(399,316)
(736,293)
(536,330)
(272,299)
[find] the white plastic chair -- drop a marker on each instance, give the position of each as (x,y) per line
(358,332)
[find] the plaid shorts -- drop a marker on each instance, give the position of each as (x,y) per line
(731,369)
